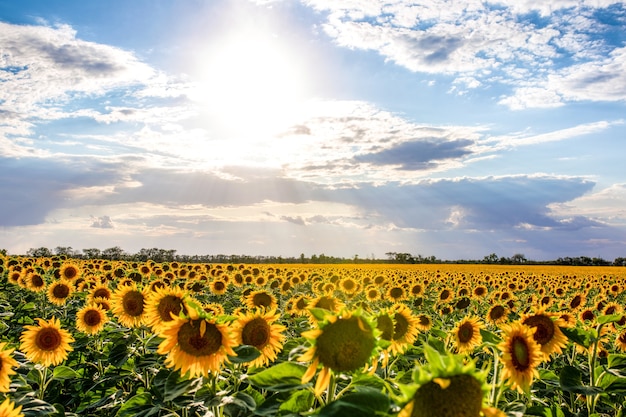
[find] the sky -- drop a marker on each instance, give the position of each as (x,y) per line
(453,129)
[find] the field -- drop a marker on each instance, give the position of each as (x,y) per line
(118,338)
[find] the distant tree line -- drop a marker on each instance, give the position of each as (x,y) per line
(170,255)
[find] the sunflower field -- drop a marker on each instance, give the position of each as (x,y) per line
(120,338)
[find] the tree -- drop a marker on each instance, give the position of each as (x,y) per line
(491,258)
(92,253)
(64,250)
(113,253)
(518,258)
(41,252)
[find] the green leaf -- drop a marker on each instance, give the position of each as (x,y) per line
(616,361)
(63,372)
(283,376)
(579,336)
(298,402)
(364,403)
(609,318)
(175,386)
(245,353)
(544,411)
(490,337)
(571,381)
(613,384)
(139,405)
(119,355)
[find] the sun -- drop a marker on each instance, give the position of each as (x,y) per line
(249,83)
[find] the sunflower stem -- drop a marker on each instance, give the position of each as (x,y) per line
(332,386)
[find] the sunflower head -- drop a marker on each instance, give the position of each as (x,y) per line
(70,271)
(7,363)
(547,331)
(8,409)
(447,386)
(466,334)
(91,319)
(260,330)
(521,355)
(46,343)
(343,342)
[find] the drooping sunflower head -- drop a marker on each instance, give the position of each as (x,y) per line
(91,319)
(196,345)
(128,304)
(521,355)
(342,343)
(59,291)
(260,330)
(447,386)
(46,343)
(466,334)
(7,363)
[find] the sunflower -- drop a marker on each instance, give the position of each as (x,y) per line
(100,291)
(161,304)
(342,343)
(214,309)
(497,314)
(70,271)
(620,341)
(547,331)
(59,291)
(424,322)
(261,299)
(7,363)
(46,343)
(297,305)
(467,334)
(447,386)
(372,293)
(349,286)
(35,282)
(396,293)
(520,355)
(197,346)
(103,303)
(128,304)
(8,409)
(577,301)
(91,319)
(405,328)
(326,302)
(259,329)
(218,287)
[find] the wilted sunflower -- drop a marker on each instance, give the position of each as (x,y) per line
(259,329)
(467,334)
(161,304)
(59,291)
(261,299)
(7,363)
(128,304)
(546,331)
(46,343)
(342,343)
(197,346)
(520,355)
(91,319)
(8,409)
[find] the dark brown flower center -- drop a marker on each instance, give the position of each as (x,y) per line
(520,353)
(256,333)
(191,340)
(61,291)
(169,304)
(133,303)
(92,318)
(465,332)
(262,299)
(48,339)
(544,328)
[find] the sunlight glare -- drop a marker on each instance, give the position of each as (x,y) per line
(250,85)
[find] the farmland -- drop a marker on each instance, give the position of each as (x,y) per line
(120,338)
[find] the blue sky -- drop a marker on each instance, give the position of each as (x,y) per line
(453,129)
